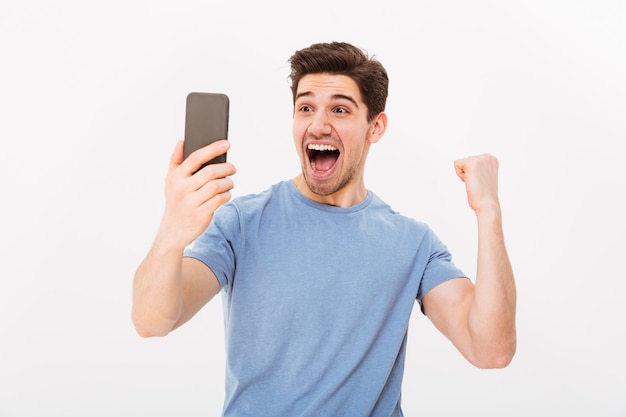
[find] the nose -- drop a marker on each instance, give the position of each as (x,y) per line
(320,124)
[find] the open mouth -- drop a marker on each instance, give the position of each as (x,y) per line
(322,157)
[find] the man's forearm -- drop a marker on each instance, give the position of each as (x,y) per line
(157,291)
(492,313)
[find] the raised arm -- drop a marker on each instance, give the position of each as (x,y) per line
(167,289)
(479,318)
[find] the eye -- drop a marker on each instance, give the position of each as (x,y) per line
(305,108)
(341,110)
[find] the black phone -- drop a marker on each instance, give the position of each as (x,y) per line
(206,121)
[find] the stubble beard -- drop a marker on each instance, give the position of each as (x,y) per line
(325,188)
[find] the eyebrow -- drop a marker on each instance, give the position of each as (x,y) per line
(334,96)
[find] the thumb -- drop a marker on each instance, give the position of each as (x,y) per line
(177,155)
(460,166)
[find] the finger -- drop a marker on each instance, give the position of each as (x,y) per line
(200,156)
(212,189)
(216,201)
(210,173)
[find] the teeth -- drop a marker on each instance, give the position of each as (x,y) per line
(320,147)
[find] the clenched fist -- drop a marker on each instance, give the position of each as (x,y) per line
(480,175)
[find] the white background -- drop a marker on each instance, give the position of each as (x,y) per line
(91,105)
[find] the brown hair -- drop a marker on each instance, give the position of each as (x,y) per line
(342,58)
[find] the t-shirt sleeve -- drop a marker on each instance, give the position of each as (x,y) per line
(215,246)
(439,267)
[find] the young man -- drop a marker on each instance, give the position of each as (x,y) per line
(318,275)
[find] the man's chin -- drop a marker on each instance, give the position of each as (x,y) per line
(322,187)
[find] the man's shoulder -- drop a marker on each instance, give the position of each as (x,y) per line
(258,201)
(388,213)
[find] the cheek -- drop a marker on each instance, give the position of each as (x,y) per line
(298,134)
(354,146)
(298,131)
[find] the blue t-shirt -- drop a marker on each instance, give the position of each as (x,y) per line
(317,301)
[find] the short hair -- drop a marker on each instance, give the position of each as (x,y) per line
(340,58)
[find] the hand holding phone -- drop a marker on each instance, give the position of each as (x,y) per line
(206,121)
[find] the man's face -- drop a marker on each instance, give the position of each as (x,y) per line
(330,131)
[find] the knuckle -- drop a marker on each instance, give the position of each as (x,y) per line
(212,187)
(209,171)
(223,197)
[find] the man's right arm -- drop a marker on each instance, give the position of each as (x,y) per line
(168,289)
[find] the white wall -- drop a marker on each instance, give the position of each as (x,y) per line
(92,103)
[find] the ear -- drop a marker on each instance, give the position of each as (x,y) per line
(377,128)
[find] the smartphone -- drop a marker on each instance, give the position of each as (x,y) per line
(206,121)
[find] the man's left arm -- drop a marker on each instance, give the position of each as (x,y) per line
(479,318)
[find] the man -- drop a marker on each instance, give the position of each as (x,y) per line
(318,275)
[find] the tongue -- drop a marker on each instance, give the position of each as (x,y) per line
(325,161)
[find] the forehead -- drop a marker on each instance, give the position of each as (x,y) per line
(325,84)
